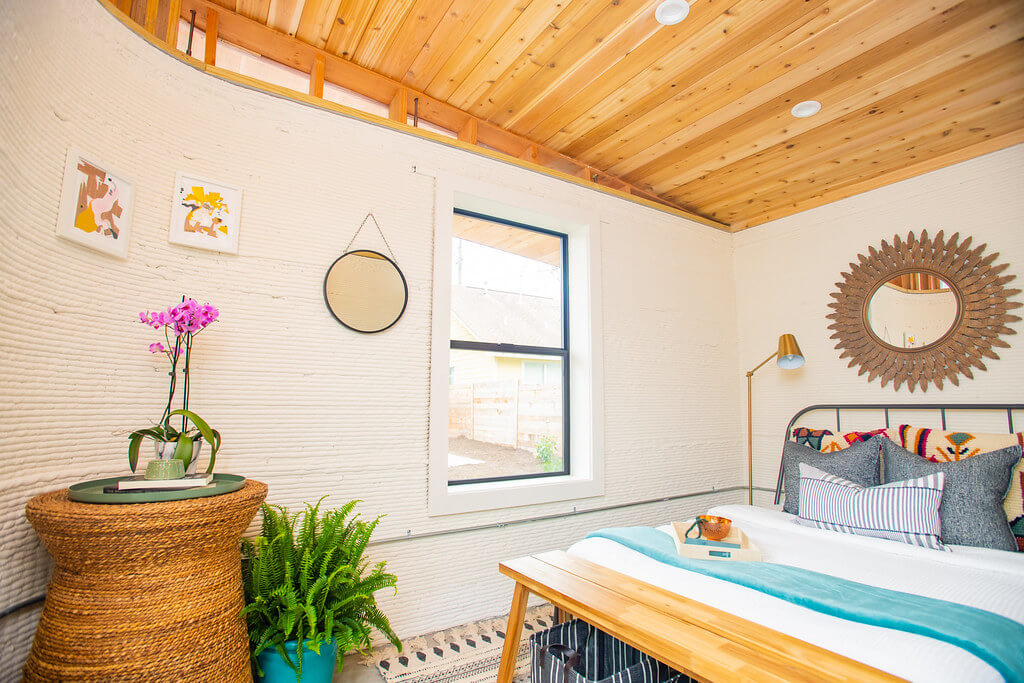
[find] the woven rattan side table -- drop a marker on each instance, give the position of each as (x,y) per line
(148,591)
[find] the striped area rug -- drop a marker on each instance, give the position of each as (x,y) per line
(468,654)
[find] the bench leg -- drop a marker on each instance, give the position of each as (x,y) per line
(510,650)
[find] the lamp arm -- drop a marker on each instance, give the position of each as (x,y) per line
(750,431)
(758,367)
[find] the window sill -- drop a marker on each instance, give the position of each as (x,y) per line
(493,495)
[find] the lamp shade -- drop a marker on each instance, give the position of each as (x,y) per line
(790,356)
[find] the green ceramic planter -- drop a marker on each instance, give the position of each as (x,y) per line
(316,668)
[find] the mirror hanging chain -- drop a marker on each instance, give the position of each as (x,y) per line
(382,235)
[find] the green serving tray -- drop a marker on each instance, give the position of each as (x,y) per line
(92,491)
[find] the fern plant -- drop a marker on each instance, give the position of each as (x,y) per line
(306,580)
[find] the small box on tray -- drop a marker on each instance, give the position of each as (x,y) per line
(734,546)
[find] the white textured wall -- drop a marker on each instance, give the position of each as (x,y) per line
(304,404)
(786,269)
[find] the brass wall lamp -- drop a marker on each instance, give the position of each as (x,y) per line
(788,357)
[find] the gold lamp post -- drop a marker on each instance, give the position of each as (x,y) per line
(788,357)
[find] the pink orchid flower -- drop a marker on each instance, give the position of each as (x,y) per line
(157,348)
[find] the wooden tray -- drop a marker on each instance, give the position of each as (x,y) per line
(92,491)
(747,552)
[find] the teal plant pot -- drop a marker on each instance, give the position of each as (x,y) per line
(316,668)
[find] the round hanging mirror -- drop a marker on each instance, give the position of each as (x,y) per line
(922,310)
(913,310)
(365,291)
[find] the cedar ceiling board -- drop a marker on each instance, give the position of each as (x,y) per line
(380,32)
(536,55)
(284,15)
(748,29)
(411,37)
(316,21)
(667,52)
(987,146)
(946,136)
(739,83)
(254,9)
(492,63)
(943,136)
(851,95)
(349,25)
(528,243)
(766,80)
(566,45)
(486,31)
(539,88)
(898,60)
(897,63)
(985,78)
(442,42)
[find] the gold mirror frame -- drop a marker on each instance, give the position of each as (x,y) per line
(982,311)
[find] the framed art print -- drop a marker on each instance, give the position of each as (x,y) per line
(205,214)
(96,205)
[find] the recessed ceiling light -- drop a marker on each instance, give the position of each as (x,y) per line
(805,109)
(671,12)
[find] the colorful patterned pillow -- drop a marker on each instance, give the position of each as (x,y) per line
(825,441)
(940,445)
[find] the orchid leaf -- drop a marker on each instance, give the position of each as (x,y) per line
(183,451)
(213,453)
(134,441)
(211,436)
(153,433)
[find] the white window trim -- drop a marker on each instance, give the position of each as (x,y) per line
(586,381)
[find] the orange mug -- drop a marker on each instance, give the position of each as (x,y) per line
(710,527)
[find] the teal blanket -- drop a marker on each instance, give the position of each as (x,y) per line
(997,640)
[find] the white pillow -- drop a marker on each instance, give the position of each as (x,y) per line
(905,511)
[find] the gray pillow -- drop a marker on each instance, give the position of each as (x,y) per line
(972,499)
(858,463)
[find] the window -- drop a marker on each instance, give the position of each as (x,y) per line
(529,256)
(508,395)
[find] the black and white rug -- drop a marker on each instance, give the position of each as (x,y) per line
(468,654)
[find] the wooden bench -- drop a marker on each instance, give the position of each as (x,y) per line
(700,641)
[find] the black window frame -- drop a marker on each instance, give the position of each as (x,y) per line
(560,352)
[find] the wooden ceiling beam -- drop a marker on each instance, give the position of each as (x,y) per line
(316,76)
(212,34)
(234,28)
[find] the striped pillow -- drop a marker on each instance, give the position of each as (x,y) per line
(905,511)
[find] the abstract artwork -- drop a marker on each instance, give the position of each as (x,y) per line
(205,214)
(95,205)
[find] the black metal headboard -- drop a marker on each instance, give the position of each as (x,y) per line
(1009,408)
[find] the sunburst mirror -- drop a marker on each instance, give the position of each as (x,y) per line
(922,310)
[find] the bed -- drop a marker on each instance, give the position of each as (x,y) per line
(713,629)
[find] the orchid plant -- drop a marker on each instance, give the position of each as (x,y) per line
(180,325)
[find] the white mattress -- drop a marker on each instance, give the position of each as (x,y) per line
(992,580)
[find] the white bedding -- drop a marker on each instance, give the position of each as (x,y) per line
(992,580)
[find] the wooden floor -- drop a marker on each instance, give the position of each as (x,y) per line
(700,641)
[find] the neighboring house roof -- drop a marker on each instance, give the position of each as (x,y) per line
(511,318)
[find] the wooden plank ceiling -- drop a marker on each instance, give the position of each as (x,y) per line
(699,113)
